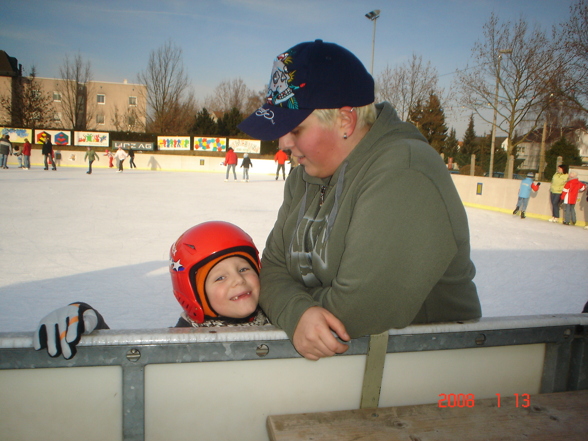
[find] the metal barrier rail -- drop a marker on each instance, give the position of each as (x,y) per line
(565,337)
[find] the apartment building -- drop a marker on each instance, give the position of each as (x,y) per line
(106,106)
(109,106)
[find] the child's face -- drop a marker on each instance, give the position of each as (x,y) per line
(232,287)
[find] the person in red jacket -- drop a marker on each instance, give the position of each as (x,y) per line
(26,154)
(281,158)
(231,162)
(569,196)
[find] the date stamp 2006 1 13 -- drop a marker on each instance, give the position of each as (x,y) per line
(469,400)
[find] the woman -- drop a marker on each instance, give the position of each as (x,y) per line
(557,184)
(372,233)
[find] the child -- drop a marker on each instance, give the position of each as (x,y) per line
(214,268)
(527,185)
(569,196)
(110,157)
(245,165)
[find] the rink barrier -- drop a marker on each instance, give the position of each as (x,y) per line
(475,191)
(222,383)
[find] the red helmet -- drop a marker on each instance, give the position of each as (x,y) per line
(202,247)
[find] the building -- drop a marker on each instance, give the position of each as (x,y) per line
(530,150)
(105,106)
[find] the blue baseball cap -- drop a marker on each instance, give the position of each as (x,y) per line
(311,75)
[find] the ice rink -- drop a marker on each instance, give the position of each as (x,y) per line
(104,239)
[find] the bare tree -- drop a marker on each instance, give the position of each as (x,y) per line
(127,121)
(522,62)
(29,107)
(167,89)
(407,84)
(573,87)
(233,94)
(75,88)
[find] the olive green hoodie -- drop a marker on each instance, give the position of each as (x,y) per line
(388,246)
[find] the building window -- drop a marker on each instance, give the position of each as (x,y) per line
(56,96)
(132,101)
(99,119)
(100,98)
(57,116)
(131,121)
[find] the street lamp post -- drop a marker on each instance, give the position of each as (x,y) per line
(373,16)
(493,141)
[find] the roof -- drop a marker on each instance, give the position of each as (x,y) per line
(8,65)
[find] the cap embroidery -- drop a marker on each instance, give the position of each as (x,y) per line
(280,89)
(266,113)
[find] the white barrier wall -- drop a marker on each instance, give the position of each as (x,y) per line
(146,160)
(489,193)
(222,383)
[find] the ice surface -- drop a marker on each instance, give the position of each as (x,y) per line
(104,239)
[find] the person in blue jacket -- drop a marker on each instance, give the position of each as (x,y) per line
(527,186)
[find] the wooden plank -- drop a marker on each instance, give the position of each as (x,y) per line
(543,417)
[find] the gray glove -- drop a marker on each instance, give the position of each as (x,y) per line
(60,331)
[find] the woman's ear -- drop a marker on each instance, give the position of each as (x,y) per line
(347,120)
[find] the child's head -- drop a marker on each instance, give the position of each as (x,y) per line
(214,268)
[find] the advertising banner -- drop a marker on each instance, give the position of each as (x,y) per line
(16,135)
(210,144)
(91,139)
(173,142)
(133,145)
(58,137)
(245,145)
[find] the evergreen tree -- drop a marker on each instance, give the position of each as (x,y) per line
(564,148)
(204,125)
(451,147)
(469,146)
(430,120)
(227,125)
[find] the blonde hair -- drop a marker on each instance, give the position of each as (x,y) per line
(366,116)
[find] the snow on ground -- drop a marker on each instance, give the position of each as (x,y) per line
(104,239)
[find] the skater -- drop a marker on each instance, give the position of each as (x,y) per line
(280,158)
(132,159)
(91,156)
(245,164)
(527,186)
(26,155)
(231,163)
(560,177)
(354,251)
(569,197)
(214,267)
(16,152)
(48,153)
(120,157)
(5,150)
(108,154)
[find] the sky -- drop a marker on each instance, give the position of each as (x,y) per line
(229,39)
(105,238)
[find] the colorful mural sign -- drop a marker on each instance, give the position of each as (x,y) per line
(91,139)
(58,137)
(210,144)
(133,145)
(245,145)
(16,135)
(173,142)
